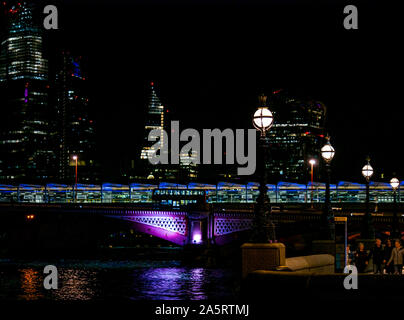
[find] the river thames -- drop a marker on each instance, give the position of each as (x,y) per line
(95,280)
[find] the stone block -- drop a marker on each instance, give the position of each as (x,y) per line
(262,256)
(320,263)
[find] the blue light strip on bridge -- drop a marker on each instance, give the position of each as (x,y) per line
(222,192)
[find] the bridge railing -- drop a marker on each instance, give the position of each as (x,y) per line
(223,193)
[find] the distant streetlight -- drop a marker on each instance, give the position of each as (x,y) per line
(327,153)
(312,163)
(394,183)
(75,158)
(395,225)
(368,230)
(263,228)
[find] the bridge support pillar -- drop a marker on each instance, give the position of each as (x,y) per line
(199,228)
(262,256)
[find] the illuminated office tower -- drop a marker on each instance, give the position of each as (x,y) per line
(154,120)
(22,48)
(188,169)
(296,136)
(27,134)
(76,134)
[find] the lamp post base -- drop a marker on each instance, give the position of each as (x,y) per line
(264,233)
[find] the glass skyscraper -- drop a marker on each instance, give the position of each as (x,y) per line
(297,136)
(27,135)
(154,120)
(76,129)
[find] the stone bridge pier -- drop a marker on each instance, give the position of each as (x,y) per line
(199,226)
(193,227)
(208,227)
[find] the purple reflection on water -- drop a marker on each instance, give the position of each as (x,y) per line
(183,284)
(123,280)
(173,284)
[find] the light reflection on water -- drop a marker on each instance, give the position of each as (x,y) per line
(31,280)
(95,280)
(174,283)
(76,285)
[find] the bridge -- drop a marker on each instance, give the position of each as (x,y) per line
(222,192)
(215,224)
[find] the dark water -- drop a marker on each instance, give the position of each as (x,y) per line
(123,280)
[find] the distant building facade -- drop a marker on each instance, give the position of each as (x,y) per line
(45,111)
(296,137)
(76,134)
(156,119)
(27,132)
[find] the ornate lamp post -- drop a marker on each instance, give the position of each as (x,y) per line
(312,163)
(75,158)
(263,228)
(328,152)
(395,226)
(368,230)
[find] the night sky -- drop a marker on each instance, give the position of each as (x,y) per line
(211,61)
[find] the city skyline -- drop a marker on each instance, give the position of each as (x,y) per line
(200,151)
(118,93)
(319,59)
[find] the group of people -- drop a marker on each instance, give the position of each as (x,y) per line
(386,258)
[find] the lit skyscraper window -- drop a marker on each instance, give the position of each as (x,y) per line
(154,120)
(27,134)
(296,136)
(21,54)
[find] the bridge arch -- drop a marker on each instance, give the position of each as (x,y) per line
(167,225)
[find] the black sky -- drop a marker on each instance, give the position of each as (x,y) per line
(211,61)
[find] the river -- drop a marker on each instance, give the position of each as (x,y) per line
(121,280)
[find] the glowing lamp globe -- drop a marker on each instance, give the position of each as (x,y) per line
(263,119)
(312,162)
(367,171)
(394,183)
(327,152)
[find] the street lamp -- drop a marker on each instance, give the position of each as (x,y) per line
(75,158)
(263,228)
(263,118)
(368,230)
(312,163)
(395,226)
(327,153)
